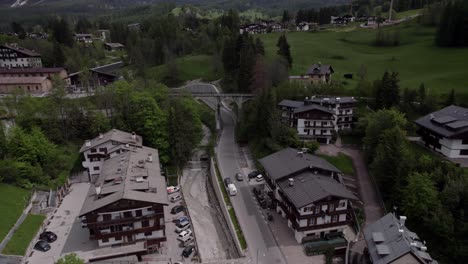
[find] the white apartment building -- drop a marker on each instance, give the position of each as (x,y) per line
(13,56)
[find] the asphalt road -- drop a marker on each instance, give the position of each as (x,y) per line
(262,247)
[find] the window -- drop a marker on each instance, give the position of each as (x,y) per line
(96,168)
(148,233)
(37,87)
(332,207)
(465,141)
(316,210)
(335,218)
(342,204)
(127,214)
(105,240)
(107,217)
(324,132)
(118,238)
(93,150)
(307,209)
(138,213)
(102,150)
(311,222)
(145,223)
(464,152)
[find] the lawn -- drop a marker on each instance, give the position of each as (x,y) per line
(23,236)
(189,68)
(342,162)
(416,59)
(11,208)
(419,151)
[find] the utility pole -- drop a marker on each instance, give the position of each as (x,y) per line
(390,11)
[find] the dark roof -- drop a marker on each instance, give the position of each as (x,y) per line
(128,176)
(320,69)
(309,188)
(306,108)
(450,122)
(114,45)
(386,243)
(113,135)
(21,50)
(331,100)
(291,103)
(31,70)
(109,69)
(287,162)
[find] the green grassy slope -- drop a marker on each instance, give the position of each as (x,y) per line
(416,59)
(13,201)
(23,236)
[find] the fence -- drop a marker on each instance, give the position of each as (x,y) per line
(224,209)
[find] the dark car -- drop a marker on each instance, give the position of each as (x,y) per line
(42,245)
(253,174)
(177,209)
(48,236)
(227,181)
(188,251)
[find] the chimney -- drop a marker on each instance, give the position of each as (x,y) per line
(98,190)
(432,116)
(88,143)
(291,182)
(100,135)
(423,248)
(150,157)
(402,220)
(133,136)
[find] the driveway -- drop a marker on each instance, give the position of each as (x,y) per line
(64,223)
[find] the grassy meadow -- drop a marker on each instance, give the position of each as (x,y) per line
(23,236)
(416,59)
(14,200)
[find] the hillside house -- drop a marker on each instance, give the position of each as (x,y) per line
(99,76)
(29,85)
(14,56)
(84,38)
(113,46)
(316,74)
(446,131)
(308,191)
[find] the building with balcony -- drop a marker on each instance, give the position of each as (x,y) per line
(308,192)
(446,131)
(126,203)
(319,118)
(14,56)
(316,74)
(107,145)
(98,76)
(390,241)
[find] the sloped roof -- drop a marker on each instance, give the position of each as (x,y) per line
(306,108)
(291,103)
(113,135)
(393,244)
(449,122)
(332,100)
(309,188)
(320,69)
(287,162)
(22,50)
(118,180)
(109,69)
(31,70)
(22,80)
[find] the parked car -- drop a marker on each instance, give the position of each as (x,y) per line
(186,242)
(182,227)
(180,219)
(172,189)
(42,245)
(176,198)
(185,233)
(227,181)
(177,209)
(259,178)
(188,251)
(253,174)
(48,236)
(239,177)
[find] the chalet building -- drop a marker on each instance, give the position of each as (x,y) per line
(319,118)
(308,192)
(13,56)
(341,20)
(84,38)
(99,76)
(34,72)
(253,29)
(446,131)
(126,203)
(389,241)
(97,150)
(317,74)
(306,26)
(30,85)
(113,46)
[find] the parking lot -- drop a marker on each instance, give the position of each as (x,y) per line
(64,223)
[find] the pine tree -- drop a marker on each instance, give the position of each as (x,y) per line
(284,50)
(286,17)
(259,48)
(246,67)
(59,57)
(451,98)
(422,93)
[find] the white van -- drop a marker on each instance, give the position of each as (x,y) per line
(232,189)
(186,242)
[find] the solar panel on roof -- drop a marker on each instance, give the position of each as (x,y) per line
(378,237)
(444,119)
(383,250)
(458,124)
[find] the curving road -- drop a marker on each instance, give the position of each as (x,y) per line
(262,247)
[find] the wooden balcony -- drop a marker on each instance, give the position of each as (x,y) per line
(132,231)
(126,220)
